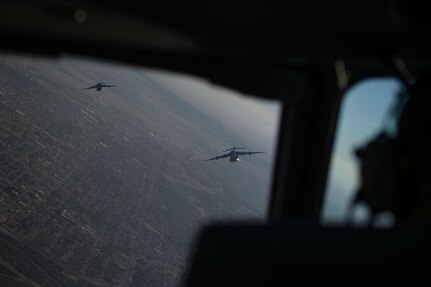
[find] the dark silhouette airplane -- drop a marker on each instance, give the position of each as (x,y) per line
(99,86)
(233,154)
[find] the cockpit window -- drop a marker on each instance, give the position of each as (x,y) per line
(105,174)
(365,112)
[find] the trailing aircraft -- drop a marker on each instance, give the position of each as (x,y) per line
(99,86)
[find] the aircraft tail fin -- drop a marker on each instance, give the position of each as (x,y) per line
(234,148)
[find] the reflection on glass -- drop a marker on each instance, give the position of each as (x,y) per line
(107,185)
(364,113)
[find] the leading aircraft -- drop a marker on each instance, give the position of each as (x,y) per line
(99,86)
(233,154)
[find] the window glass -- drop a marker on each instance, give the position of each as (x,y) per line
(104,178)
(365,111)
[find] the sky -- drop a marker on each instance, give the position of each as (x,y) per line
(363,114)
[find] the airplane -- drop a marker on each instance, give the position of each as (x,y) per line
(233,154)
(99,86)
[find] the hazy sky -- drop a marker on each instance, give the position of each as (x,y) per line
(363,114)
(254,120)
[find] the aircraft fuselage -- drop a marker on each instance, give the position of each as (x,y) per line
(233,157)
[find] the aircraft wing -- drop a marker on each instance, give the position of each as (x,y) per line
(90,88)
(248,152)
(219,157)
(103,85)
